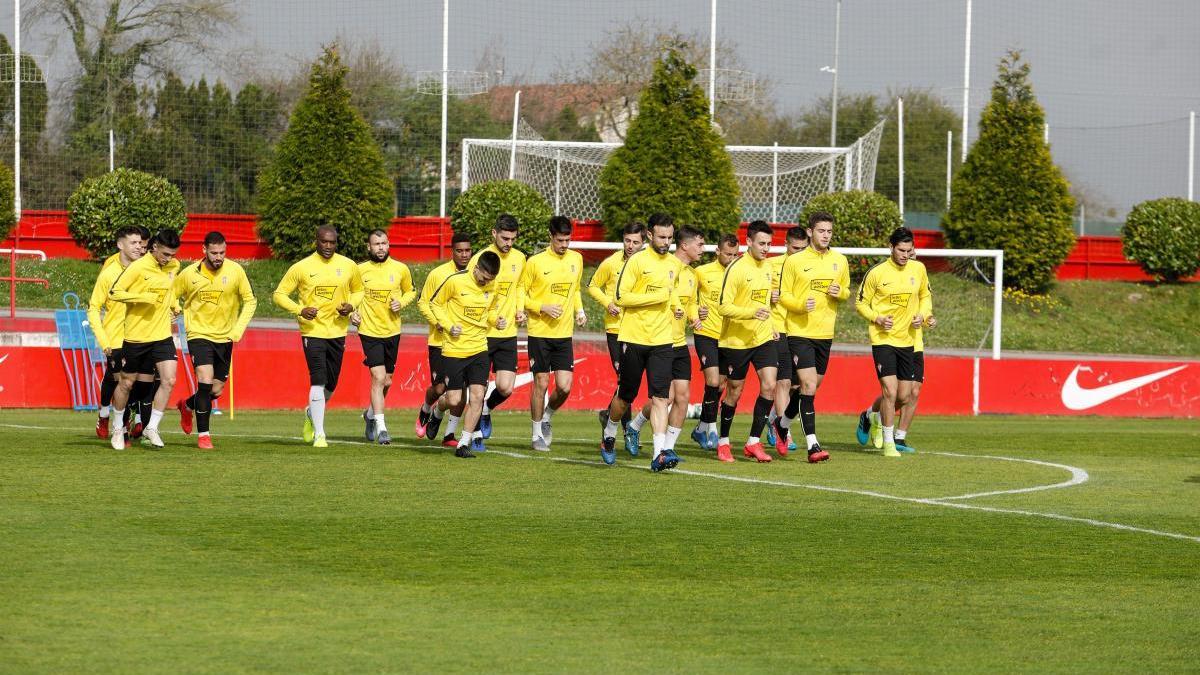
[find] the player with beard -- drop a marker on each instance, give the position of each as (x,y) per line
(429,418)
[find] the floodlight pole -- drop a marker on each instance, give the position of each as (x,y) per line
(949,164)
(1191,155)
(512,158)
(900,150)
(16,117)
(712,64)
(833,99)
(966,83)
(445,103)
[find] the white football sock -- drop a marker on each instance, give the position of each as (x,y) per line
(901,433)
(610,429)
(155,417)
(659,440)
(672,437)
(452,424)
(118,424)
(380,425)
(637,422)
(811,439)
(316,408)
(887,435)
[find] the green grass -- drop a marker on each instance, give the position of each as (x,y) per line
(270,556)
(1100,317)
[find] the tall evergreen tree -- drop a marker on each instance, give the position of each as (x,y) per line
(1009,194)
(673,161)
(327,170)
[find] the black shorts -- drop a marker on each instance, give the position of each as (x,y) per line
(551,354)
(142,357)
(707,351)
(216,354)
(681,363)
(895,361)
(919,366)
(653,360)
(437,367)
(735,363)
(464,371)
(379,351)
(502,354)
(114,362)
(614,351)
(324,359)
(784,355)
(810,353)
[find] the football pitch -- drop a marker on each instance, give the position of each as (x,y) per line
(1005,544)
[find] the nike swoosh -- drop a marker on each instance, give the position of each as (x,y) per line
(524,379)
(5,358)
(807,269)
(1075,397)
(546,272)
(314,274)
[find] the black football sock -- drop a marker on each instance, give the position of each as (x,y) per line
(708,409)
(808,414)
(727,414)
(762,408)
(203,403)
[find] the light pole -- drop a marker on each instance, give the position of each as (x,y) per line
(833,99)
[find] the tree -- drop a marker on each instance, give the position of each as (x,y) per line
(112,39)
(1009,194)
(33,101)
(672,160)
(327,170)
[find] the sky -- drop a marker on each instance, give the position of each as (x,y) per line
(1117,79)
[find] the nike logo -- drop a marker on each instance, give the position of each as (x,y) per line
(1075,397)
(546,272)
(314,274)
(807,269)
(886,283)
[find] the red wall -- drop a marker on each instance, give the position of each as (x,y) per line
(269,372)
(427,238)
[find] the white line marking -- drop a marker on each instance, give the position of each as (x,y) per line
(778,483)
(1078,476)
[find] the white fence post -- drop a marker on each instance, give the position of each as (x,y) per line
(900,136)
(775,184)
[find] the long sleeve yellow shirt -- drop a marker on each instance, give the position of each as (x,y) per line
(433,283)
(809,274)
(218,305)
(461,301)
(109,329)
(646,294)
(686,287)
(709,277)
(512,264)
(898,292)
(323,284)
(147,290)
(382,283)
(746,289)
(603,288)
(552,279)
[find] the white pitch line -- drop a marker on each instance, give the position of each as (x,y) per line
(1078,476)
(778,483)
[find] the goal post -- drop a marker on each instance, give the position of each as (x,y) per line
(996,255)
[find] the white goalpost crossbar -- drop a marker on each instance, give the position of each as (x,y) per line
(996,255)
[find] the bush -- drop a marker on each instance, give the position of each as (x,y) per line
(102,205)
(1009,194)
(475,211)
(8,217)
(861,219)
(1163,236)
(327,170)
(673,161)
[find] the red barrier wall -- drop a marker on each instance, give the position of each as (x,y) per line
(427,238)
(269,372)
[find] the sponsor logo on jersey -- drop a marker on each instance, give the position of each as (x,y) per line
(324,292)
(760,295)
(211,297)
(377,295)
(560,289)
(821,285)
(473,313)
(899,299)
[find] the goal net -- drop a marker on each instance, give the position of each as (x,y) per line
(774,181)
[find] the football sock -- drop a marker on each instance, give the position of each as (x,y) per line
(808,414)
(887,435)
(610,429)
(547,414)
(537,430)
(380,425)
(793,406)
(316,408)
(104,410)
(155,417)
(708,409)
(452,424)
(118,423)
(637,422)
(107,387)
(901,434)
(752,440)
(494,401)
(659,441)
(203,406)
(425,409)
(728,412)
(810,439)
(438,412)
(672,437)
(762,408)
(369,413)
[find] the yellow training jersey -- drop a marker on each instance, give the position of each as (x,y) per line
(461,301)
(746,289)
(512,265)
(898,292)
(218,305)
(433,282)
(603,287)
(110,261)
(323,284)
(382,283)
(709,277)
(146,288)
(809,274)
(109,330)
(686,286)
(778,313)
(646,294)
(552,279)
(926,310)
